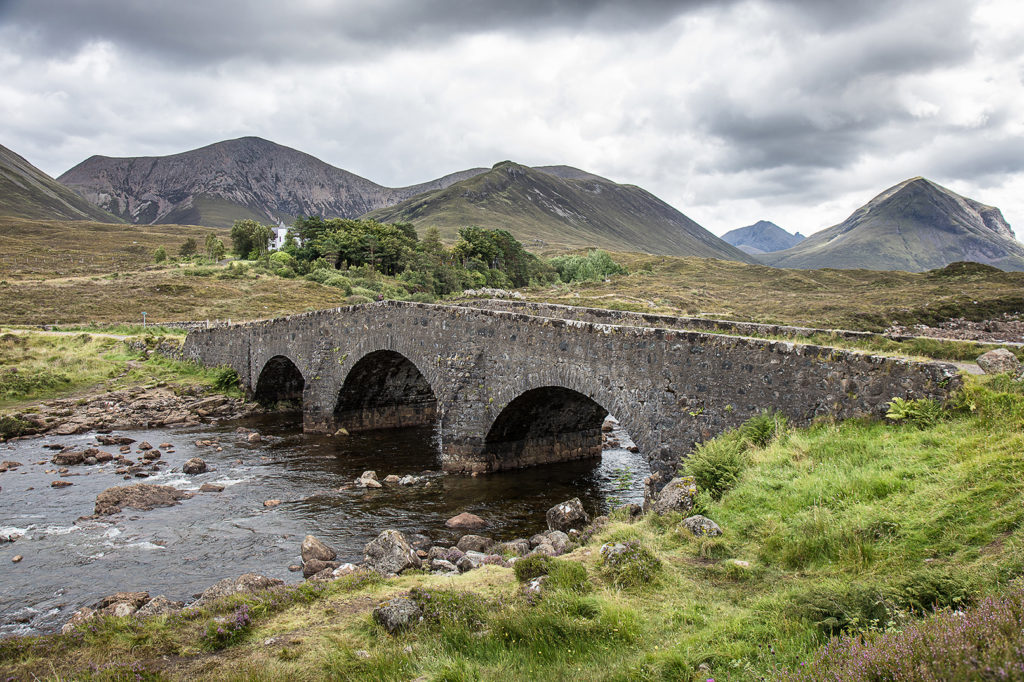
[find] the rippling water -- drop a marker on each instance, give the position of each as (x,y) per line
(179,551)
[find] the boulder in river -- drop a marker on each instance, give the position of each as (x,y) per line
(68,457)
(193,466)
(247,583)
(312,548)
(59,484)
(142,496)
(368,479)
(474,543)
(315,566)
(211,488)
(390,553)
(465,521)
(104,439)
(568,514)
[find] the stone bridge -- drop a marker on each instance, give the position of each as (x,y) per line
(507,389)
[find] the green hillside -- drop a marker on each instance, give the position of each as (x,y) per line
(27,192)
(563,211)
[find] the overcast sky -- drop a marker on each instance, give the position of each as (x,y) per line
(795,111)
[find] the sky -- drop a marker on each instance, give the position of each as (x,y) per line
(794,111)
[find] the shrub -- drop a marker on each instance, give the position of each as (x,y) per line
(358,300)
(449,607)
(762,429)
(11,427)
(932,589)
(922,412)
(716,465)
(846,608)
(160,255)
(220,635)
(634,566)
(225,379)
(531,567)
(979,643)
(423,297)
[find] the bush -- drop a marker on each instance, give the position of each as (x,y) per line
(635,566)
(358,300)
(716,465)
(449,607)
(846,608)
(11,427)
(762,429)
(334,280)
(225,379)
(220,635)
(922,412)
(531,567)
(932,589)
(160,255)
(423,297)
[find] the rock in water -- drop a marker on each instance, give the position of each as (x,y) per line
(397,613)
(677,495)
(390,553)
(193,466)
(313,548)
(465,521)
(315,566)
(567,515)
(368,479)
(243,584)
(998,361)
(702,526)
(142,496)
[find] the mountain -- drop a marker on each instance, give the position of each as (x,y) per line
(27,192)
(248,177)
(916,225)
(561,205)
(762,237)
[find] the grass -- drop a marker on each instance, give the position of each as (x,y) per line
(856,530)
(37,366)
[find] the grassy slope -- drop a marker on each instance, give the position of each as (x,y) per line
(563,213)
(27,192)
(836,522)
(851,299)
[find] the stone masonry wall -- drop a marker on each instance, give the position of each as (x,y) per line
(669,388)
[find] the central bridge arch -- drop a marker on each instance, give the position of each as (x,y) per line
(545,425)
(384,389)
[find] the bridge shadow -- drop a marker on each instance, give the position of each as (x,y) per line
(384,390)
(280,385)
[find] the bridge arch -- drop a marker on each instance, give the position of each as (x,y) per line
(544,425)
(280,381)
(384,389)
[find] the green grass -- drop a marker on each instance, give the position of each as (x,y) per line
(859,526)
(37,366)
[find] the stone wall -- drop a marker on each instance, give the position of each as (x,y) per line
(668,387)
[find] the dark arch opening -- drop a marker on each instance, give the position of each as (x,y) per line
(280,384)
(545,425)
(384,390)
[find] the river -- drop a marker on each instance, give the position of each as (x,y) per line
(179,551)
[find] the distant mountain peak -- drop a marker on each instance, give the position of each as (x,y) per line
(915,225)
(762,237)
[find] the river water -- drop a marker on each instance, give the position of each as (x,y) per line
(179,551)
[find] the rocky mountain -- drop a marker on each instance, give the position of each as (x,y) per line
(27,192)
(916,225)
(561,206)
(248,177)
(762,237)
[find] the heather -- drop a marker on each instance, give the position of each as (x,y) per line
(983,642)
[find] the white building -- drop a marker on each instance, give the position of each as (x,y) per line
(278,235)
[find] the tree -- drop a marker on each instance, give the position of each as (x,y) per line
(160,255)
(189,248)
(208,246)
(218,250)
(249,237)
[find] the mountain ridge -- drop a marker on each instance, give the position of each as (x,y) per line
(571,208)
(28,192)
(915,225)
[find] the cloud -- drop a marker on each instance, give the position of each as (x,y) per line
(796,111)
